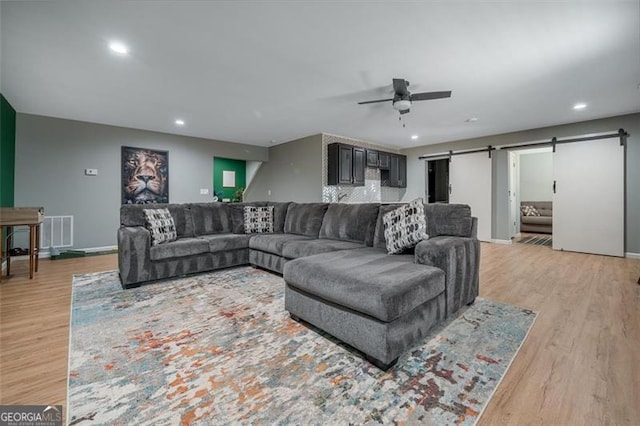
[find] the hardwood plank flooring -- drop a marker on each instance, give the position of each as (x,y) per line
(580,364)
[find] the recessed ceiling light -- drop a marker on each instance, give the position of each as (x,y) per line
(118,48)
(414,137)
(179,122)
(580,106)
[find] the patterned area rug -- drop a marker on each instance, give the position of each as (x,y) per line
(219,348)
(538,240)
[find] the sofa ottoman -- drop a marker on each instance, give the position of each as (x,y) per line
(379,304)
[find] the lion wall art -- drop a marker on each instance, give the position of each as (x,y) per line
(145,176)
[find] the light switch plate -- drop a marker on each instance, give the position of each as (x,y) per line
(91,172)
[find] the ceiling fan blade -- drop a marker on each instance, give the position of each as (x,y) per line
(425,96)
(373,102)
(400,86)
(404,111)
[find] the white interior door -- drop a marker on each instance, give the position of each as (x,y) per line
(588,203)
(470,183)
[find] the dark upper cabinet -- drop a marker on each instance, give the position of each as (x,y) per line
(359,163)
(402,171)
(393,171)
(384,160)
(346,165)
(372,158)
(396,176)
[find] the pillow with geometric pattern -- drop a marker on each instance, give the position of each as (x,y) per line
(528,210)
(258,220)
(405,226)
(161,226)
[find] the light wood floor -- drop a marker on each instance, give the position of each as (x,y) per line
(579,366)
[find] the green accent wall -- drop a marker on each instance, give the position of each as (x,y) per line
(238,166)
(7,152)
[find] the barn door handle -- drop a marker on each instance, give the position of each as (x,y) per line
(554,186)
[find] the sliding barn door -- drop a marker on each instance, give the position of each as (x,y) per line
(588,203)
(470,180)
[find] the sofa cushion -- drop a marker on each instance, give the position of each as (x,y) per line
(273,243)
(350,222)
(305,219)
(237,214)
(366,280)
(537,220)
(179,248)
(405,227)
(301,248)
(225,242)
(448,219)
(160,225)
(133,215)
(211,218)
(378,236)
(258,220)
(279,215)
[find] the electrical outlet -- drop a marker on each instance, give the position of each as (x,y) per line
(204,191)
(269,193)
(91,172)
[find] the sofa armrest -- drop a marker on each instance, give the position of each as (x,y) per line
(134,261)
(459,258)
(474,227)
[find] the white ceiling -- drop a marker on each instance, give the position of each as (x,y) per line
(263,71)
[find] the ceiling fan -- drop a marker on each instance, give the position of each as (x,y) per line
(402,97)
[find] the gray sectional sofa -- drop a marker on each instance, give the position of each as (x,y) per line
(338,274)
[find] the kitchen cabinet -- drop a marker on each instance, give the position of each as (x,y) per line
(346,165)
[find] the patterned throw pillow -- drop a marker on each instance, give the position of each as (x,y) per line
(258,220)
(528,210)
(160,224)
(405,226)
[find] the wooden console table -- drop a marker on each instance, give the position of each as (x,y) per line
(21,216)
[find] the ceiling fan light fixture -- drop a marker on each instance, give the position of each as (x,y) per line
(402,105)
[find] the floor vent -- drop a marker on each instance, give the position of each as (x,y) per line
(56,232)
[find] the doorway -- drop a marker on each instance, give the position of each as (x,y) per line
(438,181)
(531,195)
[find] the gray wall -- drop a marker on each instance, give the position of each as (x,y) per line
(293,172)
(52,153)
(536,176)
(629,122)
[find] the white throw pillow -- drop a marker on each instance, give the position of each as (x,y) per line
(160,224)
(258,220)
(405,226)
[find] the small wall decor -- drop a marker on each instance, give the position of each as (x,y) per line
(228,178)
(145,176)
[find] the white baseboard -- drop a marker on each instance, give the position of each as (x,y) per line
(632,255)
(95,249)
(497,241)
(45,254)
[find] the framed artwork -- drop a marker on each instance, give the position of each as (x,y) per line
(228,179)
(145,176)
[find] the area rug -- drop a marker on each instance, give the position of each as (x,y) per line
(538,240)
(219,348)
